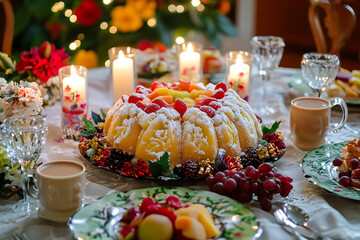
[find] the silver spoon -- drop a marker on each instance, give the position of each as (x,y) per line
(300,218)
(287,224)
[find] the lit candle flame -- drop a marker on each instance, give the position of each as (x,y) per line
(239,60)
(190,48)
(121,55)
(73,71)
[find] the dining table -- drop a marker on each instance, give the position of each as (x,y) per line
(332,215)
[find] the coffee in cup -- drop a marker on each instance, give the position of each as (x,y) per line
(61,189)
(310,120)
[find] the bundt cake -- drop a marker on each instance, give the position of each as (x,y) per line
(189,121)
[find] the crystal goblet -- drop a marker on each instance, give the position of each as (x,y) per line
(23,138)
(268,52)
(319,70)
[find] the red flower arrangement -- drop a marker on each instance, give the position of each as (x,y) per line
(87,13)
(42,63)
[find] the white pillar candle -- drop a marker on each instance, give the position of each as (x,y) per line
(239,77)
(123,76)
(189,64)
(74,89)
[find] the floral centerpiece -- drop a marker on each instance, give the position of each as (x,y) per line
(15,100)
(40,65)
(91,27)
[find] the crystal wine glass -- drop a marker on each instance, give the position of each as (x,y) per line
(23,138)
(268,52)
(319,70)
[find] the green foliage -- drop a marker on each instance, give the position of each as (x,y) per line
(161,167)
(90,128)
(273,128)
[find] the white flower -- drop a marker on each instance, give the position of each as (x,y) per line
(19,99)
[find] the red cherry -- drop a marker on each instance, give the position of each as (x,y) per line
(167,213)
(208,110)
(174,85)
(146,202)
(143,90)
(126,230)
(141,105)
(161,103)
(152,107)
(206,101)
(157,84)
(173,202)
(135,97)
(215,105)
(221,85)
(218,94)
(180,106)
(130,215)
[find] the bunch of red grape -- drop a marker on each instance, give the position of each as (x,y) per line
(241,185)
(347,177)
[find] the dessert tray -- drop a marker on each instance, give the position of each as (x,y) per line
(94,148)
(298,83)
(318,168)
(99,221)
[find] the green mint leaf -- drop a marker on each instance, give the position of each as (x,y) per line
(265,130)
(161,167)
(169,174)
(155,169)
(273,128)
(164,161)
(89,126)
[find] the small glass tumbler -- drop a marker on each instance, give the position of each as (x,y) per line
(74,99)
(319,70)
(190,61)
(238,69)
(123,71)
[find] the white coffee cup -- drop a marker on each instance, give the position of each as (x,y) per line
(61,187)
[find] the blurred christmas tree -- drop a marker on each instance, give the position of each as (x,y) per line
(97,25)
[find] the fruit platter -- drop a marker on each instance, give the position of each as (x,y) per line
(164,214)
(179,131)
(346,86)
(335,168)
(348,163)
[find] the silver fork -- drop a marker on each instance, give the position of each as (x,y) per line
(19,236)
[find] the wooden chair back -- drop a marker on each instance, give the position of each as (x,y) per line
(339,20)
(6,26)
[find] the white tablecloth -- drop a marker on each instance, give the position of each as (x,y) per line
(333,216)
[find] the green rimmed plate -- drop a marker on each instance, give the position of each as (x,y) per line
(317,167)
(94,221)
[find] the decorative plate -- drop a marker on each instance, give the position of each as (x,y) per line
(318,168)
(95,221)
(298,83)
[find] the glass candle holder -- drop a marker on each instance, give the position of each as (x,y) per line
(74,99)
(238,69)
(190,61)
(123,71)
